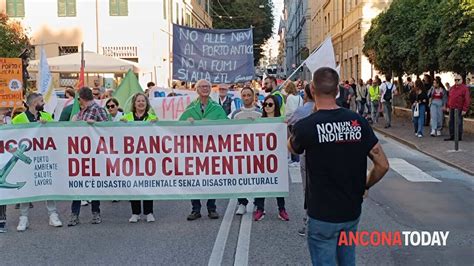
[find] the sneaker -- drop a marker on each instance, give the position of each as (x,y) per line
(241,209)
(31,205)
(258,215)
(449,139)
(283,215)
(150,218)
(433,133)
(294,164)
(302,231)
(23,224)
(74,220)
(438,132)
(419,135)
(96,218)
(193,216)
(134,219)
(84,203)
(54,220)
(213,215)
(2,227)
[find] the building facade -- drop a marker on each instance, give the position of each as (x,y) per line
(347,22)
(296,17)
(136,30)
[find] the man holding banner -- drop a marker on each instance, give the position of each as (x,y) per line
(248,111)
(203,108)
(90,112)
(35,114)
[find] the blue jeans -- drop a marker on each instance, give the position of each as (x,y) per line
(323,238)
(436,110)
(211,205)
(76,206)
(419,122)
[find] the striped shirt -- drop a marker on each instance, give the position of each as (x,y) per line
(246,113)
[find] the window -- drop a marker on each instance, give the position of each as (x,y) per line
(66,8)
(118,7)
(164,9)
(16,8)
(65,50)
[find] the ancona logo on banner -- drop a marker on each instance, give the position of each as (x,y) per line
(396,238)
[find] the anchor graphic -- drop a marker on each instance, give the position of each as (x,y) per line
(19,154)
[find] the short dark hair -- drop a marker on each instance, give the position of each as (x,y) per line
(70,90)
(31,97)
(307,92)
(325,81)
(85,93)
(388,77)
(112,100)
(151,83)
(247,88)
(272,78)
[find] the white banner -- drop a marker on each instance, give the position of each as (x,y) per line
(139,160)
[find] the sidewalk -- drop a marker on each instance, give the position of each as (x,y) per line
(402,130)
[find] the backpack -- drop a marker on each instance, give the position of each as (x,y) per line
(388,93)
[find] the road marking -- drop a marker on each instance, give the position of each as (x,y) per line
(221,239)
(410,172)
(295,174)
(243,243)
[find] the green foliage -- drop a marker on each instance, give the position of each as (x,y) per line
(414,36)
(13,37)
(245,14)
(455,45)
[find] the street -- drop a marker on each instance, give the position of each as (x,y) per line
(417,194)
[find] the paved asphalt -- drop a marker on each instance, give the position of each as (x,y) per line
(395,204)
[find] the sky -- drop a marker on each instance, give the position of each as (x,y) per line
(273,42)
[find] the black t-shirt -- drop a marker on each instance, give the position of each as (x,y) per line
(31,117)
(337,143)
(140,118)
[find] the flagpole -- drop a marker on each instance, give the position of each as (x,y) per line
(294,72)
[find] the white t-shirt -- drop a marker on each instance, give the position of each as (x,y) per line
(383,89)
(292,102)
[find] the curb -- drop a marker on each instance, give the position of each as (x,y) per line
(414,146)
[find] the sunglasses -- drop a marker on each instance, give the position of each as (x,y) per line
(110,106)
(268,104)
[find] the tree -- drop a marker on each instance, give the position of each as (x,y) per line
(427,35)
(240,14)
(13,36)
(455,45)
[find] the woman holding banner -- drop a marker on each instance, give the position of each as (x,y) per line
(271,108)
(113,111)
(140,112)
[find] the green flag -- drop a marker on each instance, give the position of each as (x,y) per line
(127,88)
(75,106)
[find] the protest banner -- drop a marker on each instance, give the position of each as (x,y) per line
(219,56)
(11,85)
(141,160)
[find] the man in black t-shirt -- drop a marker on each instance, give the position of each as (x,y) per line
(332,136)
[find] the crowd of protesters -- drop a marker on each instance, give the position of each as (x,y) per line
(333,195)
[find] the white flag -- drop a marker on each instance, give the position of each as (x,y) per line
(322,57)
(45,84)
